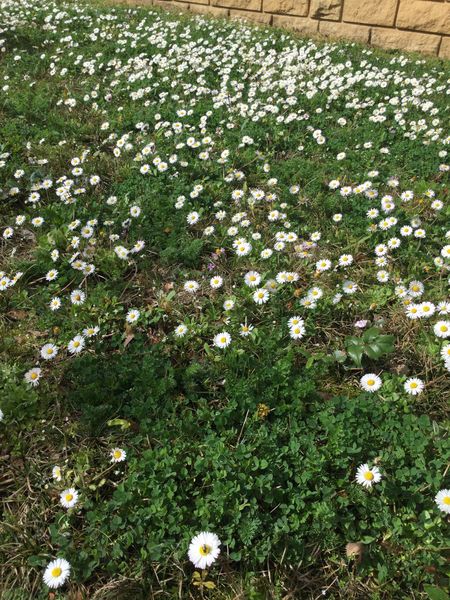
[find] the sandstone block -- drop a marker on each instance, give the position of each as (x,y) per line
(405,40)
(370,12)
(242,4)
(300,24)
(208,10)
(247,15)
(424,16)
(287,7)
(444,50)
(357,33)
(325,9)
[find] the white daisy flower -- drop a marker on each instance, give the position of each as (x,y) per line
(192,218)
(293,321)
(132,315)
(414,386)
(426,309)
(69,498)
(245,329)
(367,476)
(91,331)
(222,340)
(49,351)
(442,329)
(181,330)
(191,286)
(55,303)
(32,376)
(228,304)
(216,282)
(56,573)
(76,345)
(370,382)
(57,473)
(204,549)
(445,352)
(349,287)
(261,296)
(323,265)
(413,311)
(77,297)
(297,331)
(442,499)
(51,275)
(118,455)
(252,278)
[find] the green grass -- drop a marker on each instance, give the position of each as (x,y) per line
(258,442)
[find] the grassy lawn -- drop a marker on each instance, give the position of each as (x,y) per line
(224,308)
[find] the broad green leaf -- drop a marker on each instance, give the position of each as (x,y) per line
(435,593)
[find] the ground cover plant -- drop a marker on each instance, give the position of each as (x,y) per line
(225,312)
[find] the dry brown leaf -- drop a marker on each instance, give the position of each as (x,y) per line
(17,315)
(354,550)
(128,339)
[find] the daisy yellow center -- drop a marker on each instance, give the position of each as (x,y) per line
(426,308)
(368,475)
(49,350)
(415,288)
(117,454)
(69,497)
(205,550)
(413,385)
(444,328)
(33,375)
(370,381)
(56,572)
(76,344)
(446,500)
(223,339)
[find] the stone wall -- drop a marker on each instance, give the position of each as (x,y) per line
(419,25)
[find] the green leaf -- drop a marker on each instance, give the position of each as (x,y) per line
(371,334)
(122,423)
(309,362)
(353,341)
(210,585)
(373,350)
(339,356)
(355,353)
(435,593)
